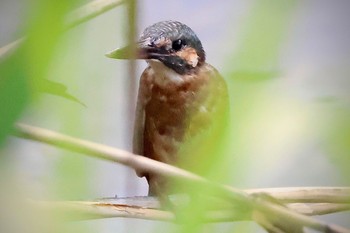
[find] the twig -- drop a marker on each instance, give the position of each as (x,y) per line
(76,17)
(318,208)
(75,210)
(307,194)
(314,208)
(149,208)
(89,11)
(103,152)
(7,49)
(79,210)
(269,209)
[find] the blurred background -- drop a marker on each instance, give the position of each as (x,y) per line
(287,65)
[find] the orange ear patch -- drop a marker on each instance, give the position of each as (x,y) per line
(190,55)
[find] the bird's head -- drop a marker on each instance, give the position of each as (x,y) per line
(170,42)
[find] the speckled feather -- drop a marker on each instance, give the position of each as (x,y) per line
(175,108)
(167,116)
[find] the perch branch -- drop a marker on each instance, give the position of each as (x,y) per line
(74,18)
(78,210)
(149,208)
(142,163)
(318,208)
(307,194)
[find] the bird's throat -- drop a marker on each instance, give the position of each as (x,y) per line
(164,75)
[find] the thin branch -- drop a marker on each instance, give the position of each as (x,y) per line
(315,207)
(90,11)
(149,208)
(318,208)
(307,194)
(272,210)
(76,17)
(7,49)
(75,210)
(79,210)
(104,152)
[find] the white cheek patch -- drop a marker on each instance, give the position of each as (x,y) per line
(189,55)
(193,60)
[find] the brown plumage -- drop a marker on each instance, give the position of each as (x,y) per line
(171,114)
(182,103)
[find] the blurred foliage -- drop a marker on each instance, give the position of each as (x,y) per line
(260,114)
(337,140)
(24,71)
(14,93)
(249,74)
(261,38)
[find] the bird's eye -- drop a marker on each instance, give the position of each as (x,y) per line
(178,44)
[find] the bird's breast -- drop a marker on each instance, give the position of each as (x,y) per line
(167,116)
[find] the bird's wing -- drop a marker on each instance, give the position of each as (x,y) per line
(209,123)
(142,99)
(212,105)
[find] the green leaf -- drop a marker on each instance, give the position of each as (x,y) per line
(14,92)
(57,89)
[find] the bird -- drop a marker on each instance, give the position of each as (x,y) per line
(182,112)
(182,106)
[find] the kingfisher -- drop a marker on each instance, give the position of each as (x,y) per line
(182,106)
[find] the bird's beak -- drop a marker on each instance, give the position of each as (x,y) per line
(123,53)
(140,52)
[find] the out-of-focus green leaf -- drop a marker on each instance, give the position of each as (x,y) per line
(337,134)
(252,76)
(260,41)
(14,92)
(255,61)
(58,89)
(43,35)
(24,71)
